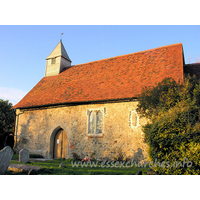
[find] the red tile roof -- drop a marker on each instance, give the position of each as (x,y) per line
(114,78)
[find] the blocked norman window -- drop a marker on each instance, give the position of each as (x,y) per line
(95,125)
(134,119)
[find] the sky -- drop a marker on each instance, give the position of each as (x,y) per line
(24,48)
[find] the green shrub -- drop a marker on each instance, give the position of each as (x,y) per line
(173,134)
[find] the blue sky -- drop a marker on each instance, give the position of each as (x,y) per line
(23,49)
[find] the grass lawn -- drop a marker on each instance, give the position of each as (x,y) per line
(51,167)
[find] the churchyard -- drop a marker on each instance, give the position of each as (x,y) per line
(68,167)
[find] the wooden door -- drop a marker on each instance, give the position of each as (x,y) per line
(64,145)
(60,144)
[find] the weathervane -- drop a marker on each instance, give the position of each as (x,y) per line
(61,36)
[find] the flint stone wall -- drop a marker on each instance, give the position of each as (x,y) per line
(118,139)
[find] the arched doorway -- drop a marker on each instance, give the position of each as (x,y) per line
(60,144)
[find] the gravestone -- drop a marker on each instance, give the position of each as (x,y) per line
(24,156)
(5,157)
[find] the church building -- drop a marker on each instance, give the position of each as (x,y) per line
(90,109)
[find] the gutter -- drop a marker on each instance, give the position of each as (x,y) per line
(78,103)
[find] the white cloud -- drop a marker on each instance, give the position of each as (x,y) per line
(12,94)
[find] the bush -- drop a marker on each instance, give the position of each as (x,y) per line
(173,134)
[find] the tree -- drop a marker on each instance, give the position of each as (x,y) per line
(7,120)
(173,132)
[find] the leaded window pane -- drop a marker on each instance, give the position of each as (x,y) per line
(92,122)
(99,117)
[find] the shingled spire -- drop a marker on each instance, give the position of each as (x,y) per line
(57,60)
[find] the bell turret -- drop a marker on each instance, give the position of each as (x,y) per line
(57,60)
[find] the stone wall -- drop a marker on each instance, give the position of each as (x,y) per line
(120,136)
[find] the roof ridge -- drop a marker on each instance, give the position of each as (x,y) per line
(129,54)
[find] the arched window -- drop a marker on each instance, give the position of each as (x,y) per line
(95,125)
